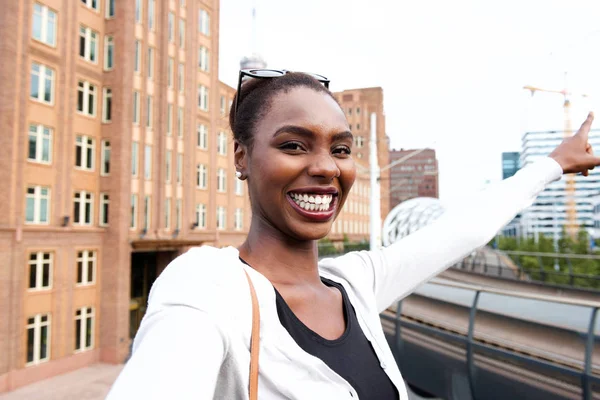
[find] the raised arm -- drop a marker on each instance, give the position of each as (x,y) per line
(401,267)
(177,354)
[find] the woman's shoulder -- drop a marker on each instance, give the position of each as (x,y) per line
(206,278)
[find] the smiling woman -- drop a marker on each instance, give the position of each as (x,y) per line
(320,334)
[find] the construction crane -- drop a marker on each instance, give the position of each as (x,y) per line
(571,209)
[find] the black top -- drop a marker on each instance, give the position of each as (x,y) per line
(351,355)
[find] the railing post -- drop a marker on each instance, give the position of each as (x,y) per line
(589,350)
(470,364)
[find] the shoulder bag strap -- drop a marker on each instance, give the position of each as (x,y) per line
(254,342)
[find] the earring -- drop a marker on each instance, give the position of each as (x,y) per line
(238,174)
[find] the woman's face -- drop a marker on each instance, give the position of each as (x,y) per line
(300,169)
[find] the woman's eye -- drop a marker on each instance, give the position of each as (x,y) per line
(293,146)
(345,150)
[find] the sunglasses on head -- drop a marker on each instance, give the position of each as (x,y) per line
(267,74)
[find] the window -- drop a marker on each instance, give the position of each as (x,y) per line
(203,22)
(238,220)
(201,215)
(201,176)
(168,162)
(146,213)
(38,339)
(88,44)
(180,77)
(221,217)
(202,132)
(179,168)
(44,24)
(170,72)
(86,98)
(350,111)
(181,34)
(151,15)
(105,158)
(84,329)
(203,59)
(42,83)
(40,270)
(221,180)
(134,158)
(203,97)
(150,63)
(37,205)
(223,105)
(84,152)
(358,126)
(133,213)
(104,203)
(168,213)
(357,110)
(83,203)
(148,162)
(138,11)
(86,267)
(359,141)
(106,105)
(109,52)
(149,112)
(179,121)
(94,4)
(178,214)
(169,119)
(40,144)
(137,61)
(239,187)
(136,107)
(110,8)
(222,144)
(171,27)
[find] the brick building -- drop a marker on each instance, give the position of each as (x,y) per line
(417,176)
(116,157)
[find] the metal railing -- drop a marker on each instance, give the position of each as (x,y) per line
(584,375)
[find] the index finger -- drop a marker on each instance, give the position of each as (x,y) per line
(585,127)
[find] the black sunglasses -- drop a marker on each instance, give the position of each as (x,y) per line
(266,74)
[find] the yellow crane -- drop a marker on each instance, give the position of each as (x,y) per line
(571,209)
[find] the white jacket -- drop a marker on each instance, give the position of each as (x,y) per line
(194,340)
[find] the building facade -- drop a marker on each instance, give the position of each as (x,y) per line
(416,176)
(510,163)
(116,158)
(548,214)
(358,104)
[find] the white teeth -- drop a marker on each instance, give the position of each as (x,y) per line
(306,197)
(311,199)
(314,202)
(302,204)
(319,199)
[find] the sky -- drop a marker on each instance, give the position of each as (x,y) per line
(452,72)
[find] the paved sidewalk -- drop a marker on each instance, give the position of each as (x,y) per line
(90,383)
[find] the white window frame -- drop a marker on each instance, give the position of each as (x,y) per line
(179,172)
(88,90)
(170,68)
(45,15)
(85,313)
(151,14)
(222,144)
(181,33)
(85,143)
(147,212)
(38,197)
(109,48)
(90,39)
(239,187)
(202,136)
(169,119)
(40,264)
(151,63)
(203,97)
(138,11)
(171,26)
(149,112)
(221,218)
(133,205)
(180,122)
(147,162)
(238,223)
(44,73)
(167,213)
(201,176)
(223,105)
(110,4)
(84,198)
(168,166)
(103,216)
(135,163)
(37,325)
(201,215)
(221,180)
(203,22)
(181,77)
(86,256)
(137,58)
(178,211)
(203,59)
(106,105)
(136,107)
(105,153)
(41,135)
(90,4)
